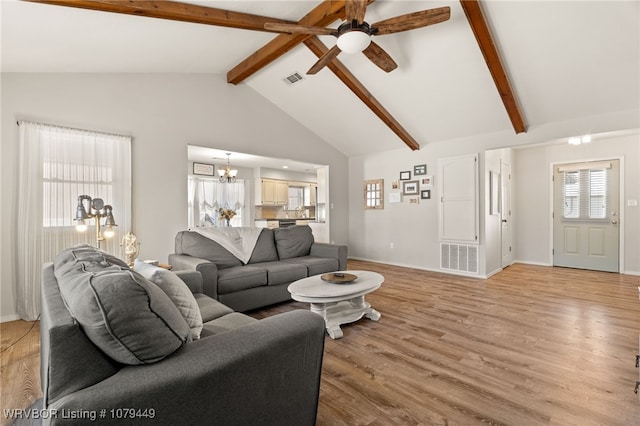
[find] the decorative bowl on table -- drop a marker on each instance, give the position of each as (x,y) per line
(339,278)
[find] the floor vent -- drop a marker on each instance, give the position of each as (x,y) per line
(459,257)
(293,78)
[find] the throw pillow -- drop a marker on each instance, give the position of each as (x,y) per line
(128,317)
(177,291)
(294,241)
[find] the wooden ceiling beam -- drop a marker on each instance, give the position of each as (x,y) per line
(174,11)
(480,28)
(319,49)
(322,15)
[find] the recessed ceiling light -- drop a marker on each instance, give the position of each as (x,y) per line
(574,141)
(285,167)
(577,140)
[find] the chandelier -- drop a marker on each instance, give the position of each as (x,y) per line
(227,174)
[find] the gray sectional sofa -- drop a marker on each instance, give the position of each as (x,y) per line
(280,256)
(119,348)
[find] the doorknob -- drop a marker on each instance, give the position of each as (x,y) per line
(504,220)
(614,221)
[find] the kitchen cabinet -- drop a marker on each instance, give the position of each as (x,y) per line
(310,194)
(271,192)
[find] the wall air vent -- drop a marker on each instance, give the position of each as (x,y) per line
(293,78)
(459,257)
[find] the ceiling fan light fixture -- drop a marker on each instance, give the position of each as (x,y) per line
(354,41)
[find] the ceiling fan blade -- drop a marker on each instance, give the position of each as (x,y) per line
(295,28)
(378,56)
(324,60)
(355,9)
(411,21)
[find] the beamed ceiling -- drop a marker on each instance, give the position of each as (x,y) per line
(493,67)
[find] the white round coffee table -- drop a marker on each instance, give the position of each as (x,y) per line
(338,303)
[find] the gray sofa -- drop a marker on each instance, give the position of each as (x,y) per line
(116,349)
(281,256)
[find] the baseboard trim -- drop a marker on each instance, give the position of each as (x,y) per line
(526,262)
(422,268)
(8,318)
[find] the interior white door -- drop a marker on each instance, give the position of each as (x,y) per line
(505,214)
(585,215)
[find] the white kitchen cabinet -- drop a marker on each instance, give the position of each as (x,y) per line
(271,192)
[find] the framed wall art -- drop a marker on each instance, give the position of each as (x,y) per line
(405,175)
(425,194)
(427,181)
(420,169)
(410,187)
(203,169)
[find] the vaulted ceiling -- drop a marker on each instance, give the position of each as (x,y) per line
(564,60)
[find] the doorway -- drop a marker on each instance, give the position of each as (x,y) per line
(505,215)
(586,198)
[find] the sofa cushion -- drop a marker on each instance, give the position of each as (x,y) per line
(211,309)
(177,291)
(128,317)
(265,249)
(239,278)
(316,265)
(293,241)
(226,323)
(283,272)
(196,245)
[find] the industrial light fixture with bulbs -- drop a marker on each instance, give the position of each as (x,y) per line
(227,174)
(95,209)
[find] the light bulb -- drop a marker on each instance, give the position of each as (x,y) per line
(108,232)
(81,226)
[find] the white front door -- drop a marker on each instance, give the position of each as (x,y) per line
(585,215)
(505,214)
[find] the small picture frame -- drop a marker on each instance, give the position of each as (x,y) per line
(410,187)
(414,200)
(427,181)
(425,194)
(203,169)
(405,175)
(420,169)
(395,197)
(394,184)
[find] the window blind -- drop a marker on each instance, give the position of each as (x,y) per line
(585,192)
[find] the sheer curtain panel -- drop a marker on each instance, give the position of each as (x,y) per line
(207,195)
(56,165)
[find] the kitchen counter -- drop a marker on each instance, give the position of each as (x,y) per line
(282,222)
(280,219)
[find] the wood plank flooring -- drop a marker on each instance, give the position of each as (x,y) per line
(19,365)
(530,346)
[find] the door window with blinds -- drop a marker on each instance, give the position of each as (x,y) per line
(585,190)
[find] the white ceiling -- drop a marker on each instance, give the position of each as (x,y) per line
(566,60)
(240,159)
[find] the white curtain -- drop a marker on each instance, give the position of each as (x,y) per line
(56,165)
(207,195)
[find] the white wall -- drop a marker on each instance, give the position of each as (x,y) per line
(533,203)
(414,229)
(164,113)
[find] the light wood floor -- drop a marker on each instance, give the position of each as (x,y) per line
(530,346)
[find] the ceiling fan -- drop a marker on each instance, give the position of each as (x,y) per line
(354,35)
